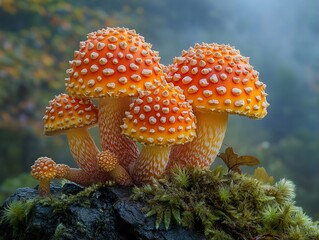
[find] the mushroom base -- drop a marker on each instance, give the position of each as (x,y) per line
(121,176)
(111,114)
(108,163)
(202,151)
(151,163)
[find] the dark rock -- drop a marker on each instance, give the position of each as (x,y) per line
(106,213)
(139,227)
(71,189)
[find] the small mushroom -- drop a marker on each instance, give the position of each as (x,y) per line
(43,170)
(62,171)
(159,118)
(111,66)
(109,163)
(217,81)
(73,117)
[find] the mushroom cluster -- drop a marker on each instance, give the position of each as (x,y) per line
(177,114)
(112,66)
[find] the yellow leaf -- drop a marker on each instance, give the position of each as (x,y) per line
(262,175)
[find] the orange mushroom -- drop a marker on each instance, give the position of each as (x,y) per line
(43,170)
(73,117)
(108,162)
(159,118)
(217,81)
(111,66)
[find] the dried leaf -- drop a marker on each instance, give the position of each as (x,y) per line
(233,161)
(262,175)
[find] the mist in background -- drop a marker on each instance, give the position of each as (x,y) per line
(37,39)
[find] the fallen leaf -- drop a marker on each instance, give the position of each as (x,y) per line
(233,161)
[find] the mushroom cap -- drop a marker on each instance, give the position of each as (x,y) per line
(107,160)
(43,169)
(215,77)
(160,116)
(66,112)
(61,170)
(112,62)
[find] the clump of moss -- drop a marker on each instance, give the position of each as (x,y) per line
(16,213)
(226,205)
(61,203)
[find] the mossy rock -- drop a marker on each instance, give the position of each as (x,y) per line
(73,212)
(225,204)
(186,204)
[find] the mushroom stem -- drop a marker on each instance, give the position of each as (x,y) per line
(111,114)
(120,176)
(83,149)
(151,163)
(79,176)
(76,175)
(44,187)
(202,151)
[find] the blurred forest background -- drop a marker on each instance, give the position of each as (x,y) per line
(38,37)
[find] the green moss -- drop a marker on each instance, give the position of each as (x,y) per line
(61,232)
(16,213)
(61,203)
(226,205)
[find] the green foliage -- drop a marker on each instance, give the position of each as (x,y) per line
(226,205)
(16,214)
(284,191)
(61,232)
(61,203)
